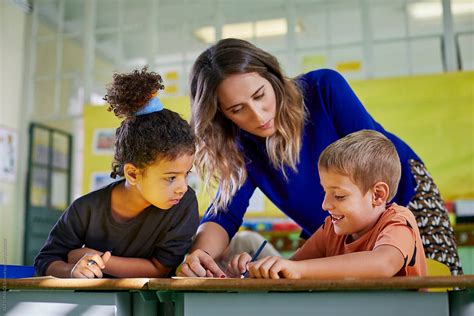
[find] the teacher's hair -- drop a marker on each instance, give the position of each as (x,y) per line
(218,157)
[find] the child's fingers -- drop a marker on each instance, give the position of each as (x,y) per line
(266,266)
(255,268)
(233,266)
(98,260)
(275,269)
(82,271)
(243,260)
(89,264)
(232,269)
(106,257)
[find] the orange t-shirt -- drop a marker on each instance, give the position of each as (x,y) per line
(390,229)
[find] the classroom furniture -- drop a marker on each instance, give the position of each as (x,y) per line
(195,296)
(48,184)
(10,271)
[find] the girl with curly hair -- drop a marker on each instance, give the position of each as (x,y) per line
(143,224)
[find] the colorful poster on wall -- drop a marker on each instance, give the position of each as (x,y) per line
(8,155)
(104,141)
(100,180)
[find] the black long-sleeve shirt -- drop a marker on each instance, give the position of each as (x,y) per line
(155,233)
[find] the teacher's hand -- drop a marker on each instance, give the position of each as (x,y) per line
(200,264)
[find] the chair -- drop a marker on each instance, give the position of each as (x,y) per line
(17,271)
(436,268)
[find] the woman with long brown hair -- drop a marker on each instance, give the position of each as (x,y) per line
(257,128)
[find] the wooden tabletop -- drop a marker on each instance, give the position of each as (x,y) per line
(240,285)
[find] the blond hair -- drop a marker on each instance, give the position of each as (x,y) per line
(218,157)
(367,157)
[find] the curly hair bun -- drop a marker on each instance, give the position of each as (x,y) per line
(129,92)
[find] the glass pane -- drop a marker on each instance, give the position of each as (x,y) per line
(39,187)
(45,57)
(136,49)
(70,96)
(101,79)
(107,14)
(73,55)
(60,151)
(466,49)
(59,186)
(426,56)
(345,25)
(425,17)
(137,14)
(40,149)
(107,52)
(314,30)
(48,17)
(349,61)
(73,16)
(463,15)
(43,101)
(312,59)
(388,20)
(385,54)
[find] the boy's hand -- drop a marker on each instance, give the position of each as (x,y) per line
(75,255)
(238,265)
(274,268)
(90,266)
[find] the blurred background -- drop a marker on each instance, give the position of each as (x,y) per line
(411,63)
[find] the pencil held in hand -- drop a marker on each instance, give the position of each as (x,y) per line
(255,256)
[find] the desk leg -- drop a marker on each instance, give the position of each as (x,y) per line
(461,303)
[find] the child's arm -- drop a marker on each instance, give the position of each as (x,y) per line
(125,267)
(66,234)
(89,266)
(383,261)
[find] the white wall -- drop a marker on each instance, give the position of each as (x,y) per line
(12,39)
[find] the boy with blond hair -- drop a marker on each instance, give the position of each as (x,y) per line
(364,235)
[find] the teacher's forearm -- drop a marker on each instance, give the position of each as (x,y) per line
(212,238)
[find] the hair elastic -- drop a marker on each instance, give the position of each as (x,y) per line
(153,105)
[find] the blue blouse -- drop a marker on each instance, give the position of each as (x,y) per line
(333,112)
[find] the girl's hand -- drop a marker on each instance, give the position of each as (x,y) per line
(200,264)
(274,268)
(90,266)
(75,255)
(238,265)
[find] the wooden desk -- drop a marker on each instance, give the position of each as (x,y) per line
(390,296)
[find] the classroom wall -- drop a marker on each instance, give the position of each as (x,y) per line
(433,114)
(12,39)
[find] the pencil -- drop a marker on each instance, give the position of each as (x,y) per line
(255,256)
